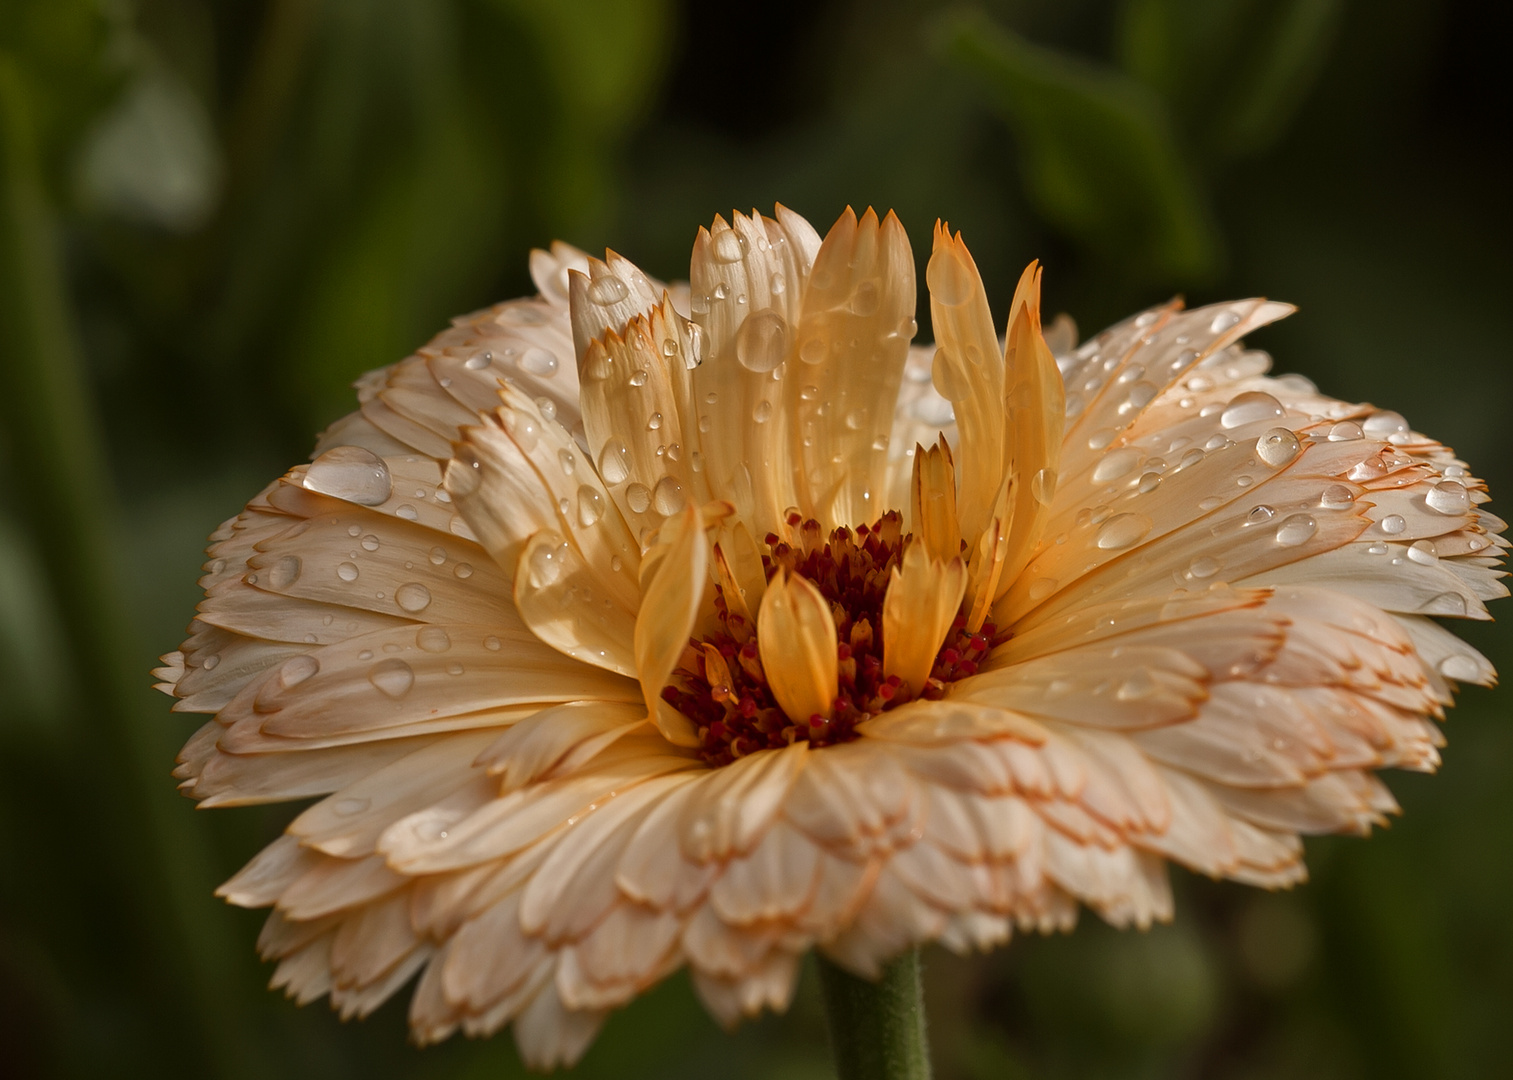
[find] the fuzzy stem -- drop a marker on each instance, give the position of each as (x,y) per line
(877,1029)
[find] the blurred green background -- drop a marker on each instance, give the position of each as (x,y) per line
(213,215)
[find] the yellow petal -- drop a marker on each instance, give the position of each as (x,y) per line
(675,579)
(796,636)
(934,501)
(923,597)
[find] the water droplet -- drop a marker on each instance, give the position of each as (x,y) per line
(638,497)
(1446,603)
(491,643)
(1377,548)
(763,412)
(478,361)
(864,300)
(392,677)
(669,497)
(1460,668)
(547,563)
(1042,485)
(1296,529)
(1101,438)
(1393,524)
(616,563)
(1336,497)
(1384,425)
(537,361)
(464,570)
(654,421)
(728,246)
(1202,567)
(406,511)
(607,290)
(951,282)
(1116,463)
(433,639)
(1345,431)
(347,571)
(1370,469)
(352,473)
(590,506)
(284,572)
(1277,447)
(1040,588)
(1423,552)
(1122,530)
(705,422)
(1223,321)
(1149,482)
(950,376)
(1259,514)
(412,597)
(612,464)
(1449,497)
(1250,407)
(854,419)
(349,807)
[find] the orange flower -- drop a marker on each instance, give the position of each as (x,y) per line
(618,640)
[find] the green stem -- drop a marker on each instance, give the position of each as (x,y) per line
(877,1029)
(52,432)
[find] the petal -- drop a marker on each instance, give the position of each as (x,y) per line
(797,638)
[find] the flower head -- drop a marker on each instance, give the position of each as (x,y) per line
(629,627)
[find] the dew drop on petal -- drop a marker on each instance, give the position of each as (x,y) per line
(590,506)
(349,807)
(1393,524)
(1210,503)
(864,301)
(1116,463)
(654,422)
(433,639)
(638,497)
(370,542)
(854,419)
(406,511)
(669,497)
(949,376)
(1336,497)
(1042,484)
(412,596)
(1424,553)
(547,563)
(607,290)
(1250,407)
(762,412)
(1040,588)
(1223,321)
(463,476)
(284,572)
(1149,482)
(761,343)
(297,669)
(352,473)
(612,464)
(464,570)
(951,282)
(1384,425)
(1122,530)
(1277,447)
(492,644)
(437,555)
(1460,668)
(393,677)
(1449,497)
(347,571)
(1296,529)
(478,361)
(1446,603)
(1203,567)
(728,246)
(1259,514)
(537,361)
(1345,431)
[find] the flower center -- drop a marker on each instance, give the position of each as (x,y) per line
(719,683)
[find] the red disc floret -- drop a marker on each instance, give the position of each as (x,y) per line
(719,683)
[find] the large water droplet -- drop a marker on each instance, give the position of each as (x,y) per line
(728,246)
(297,669)
(864,301)
(412,597)
(762,412)
(393,677)
(1423,552)
(347,571)
(1336,497)
(464,570)
(1384,425)
(612,465)
(433,639)
(1277,447)
(1296,529)
(352,473)
(1202,567)
(1122,530)
(638,497)
(1449,497)
(1345,431)
(761,343)
(951,282)
(284,572)
(1393,524)
(1259,514)
(607,290)
(1223,321)
(1116,463)
(590,506)
(547,563)
(479,360)
(1446,603)
(1040,588)
(949,374)
(1460,668)
(1043,486)
(669,497)
(1250,407)
(537,361)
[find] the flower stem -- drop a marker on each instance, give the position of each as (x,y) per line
(877,1029)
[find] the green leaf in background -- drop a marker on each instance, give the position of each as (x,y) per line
(1234,72)
(1097,151)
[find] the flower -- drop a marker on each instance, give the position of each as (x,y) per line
(629,627)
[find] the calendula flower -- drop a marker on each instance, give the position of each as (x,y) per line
(629,627)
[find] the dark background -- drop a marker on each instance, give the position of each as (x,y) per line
(216,214)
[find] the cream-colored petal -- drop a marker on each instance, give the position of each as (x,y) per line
(924,594)
(933,502)
(557,595)
(674,595)
(797,639)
